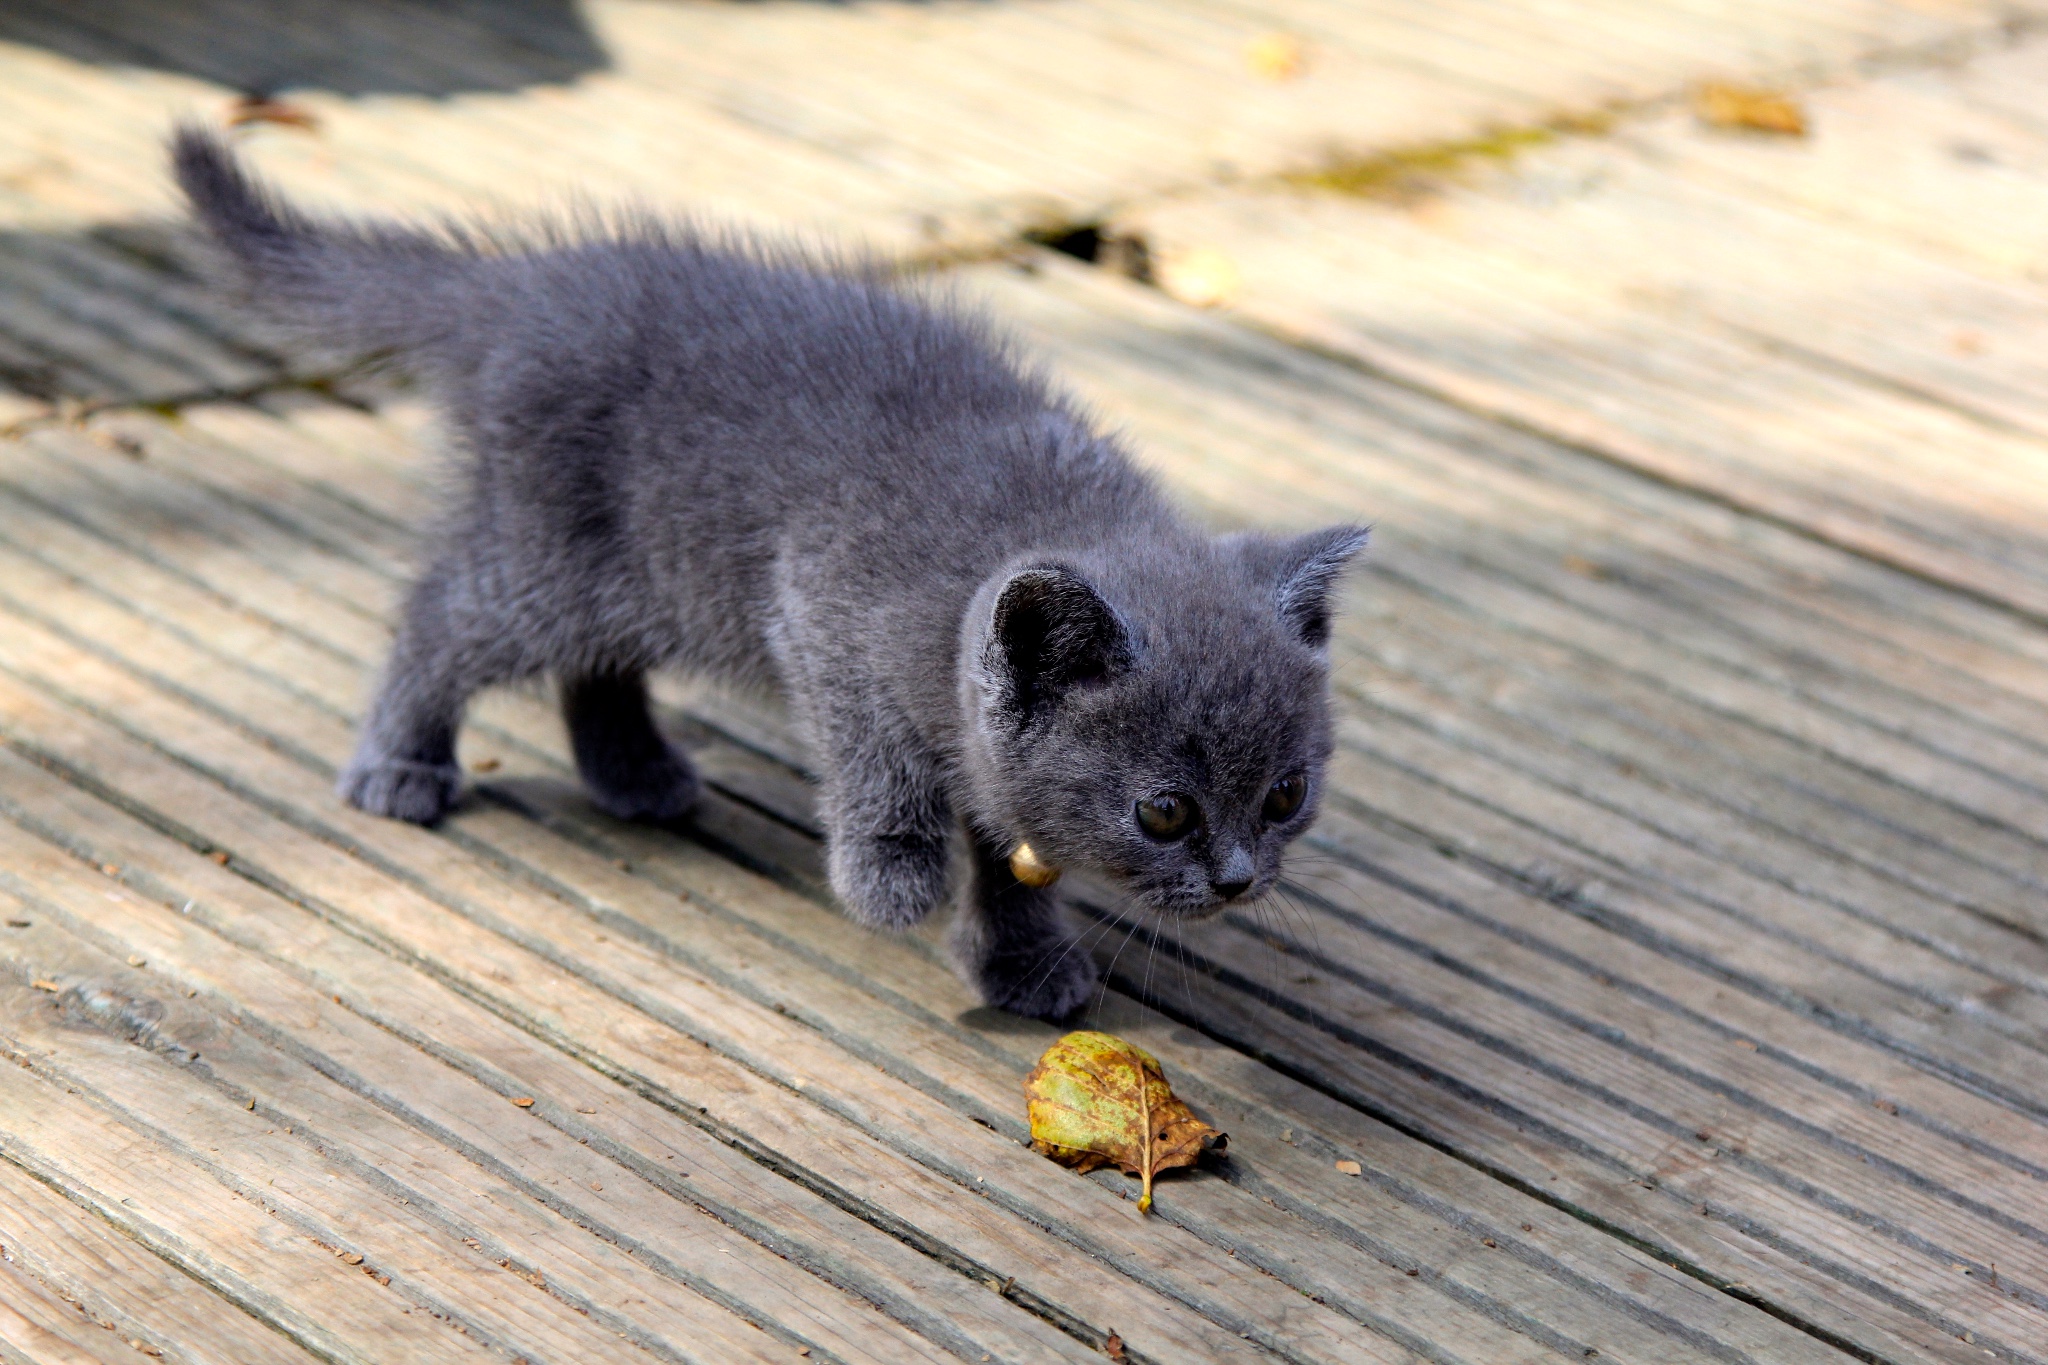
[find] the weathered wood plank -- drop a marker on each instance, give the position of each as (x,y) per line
(995,1104)
(555,1212)
(909,123)
(553,999)
(639,1158)
(112,1282)
(1748,355)
(225,1237)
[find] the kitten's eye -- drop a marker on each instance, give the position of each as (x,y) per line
(1167,816)
(1284,797)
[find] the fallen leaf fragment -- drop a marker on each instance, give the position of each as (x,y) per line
(1114,1347)
(1276,56)
(524,1101)
(1350,1168)
(1748,109)
(260,109)
(1096,1100)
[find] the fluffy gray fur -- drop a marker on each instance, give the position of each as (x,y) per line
(685,453)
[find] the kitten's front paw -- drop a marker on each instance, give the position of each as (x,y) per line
(1052,983)
(401,789)
(658,787)
(888,882)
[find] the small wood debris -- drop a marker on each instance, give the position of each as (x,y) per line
(121,442)
(1586,568)
(219,855)
(110,869)
(250,1105)
(43,983)
(1276,56)
(485,765)
(352,1257)
(1350,1168)
(1749,109)
(1488,1242)
(137,960)
(269,109)
(1884,1106)
(523,1101)
(19,923)
(1113,1347)
(1745,1044)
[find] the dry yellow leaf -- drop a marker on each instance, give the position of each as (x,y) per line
(1750,109)
(1096,1100)
(1276,56)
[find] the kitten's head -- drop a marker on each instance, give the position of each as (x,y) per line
(1161,717)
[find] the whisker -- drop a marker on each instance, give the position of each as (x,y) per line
(1051,962)
(1102,987)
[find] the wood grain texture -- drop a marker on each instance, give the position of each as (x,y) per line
(1838,332)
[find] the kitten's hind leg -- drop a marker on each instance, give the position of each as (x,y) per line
(1013,942)
(630,771)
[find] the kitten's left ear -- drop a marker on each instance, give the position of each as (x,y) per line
(1305,570)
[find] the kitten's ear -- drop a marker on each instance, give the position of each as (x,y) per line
(1050,632)
(1305,570)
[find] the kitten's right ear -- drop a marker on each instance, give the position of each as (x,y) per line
(1049,633)
(1305,570)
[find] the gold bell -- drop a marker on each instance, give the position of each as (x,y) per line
(1027,868)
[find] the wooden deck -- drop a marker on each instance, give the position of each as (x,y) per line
(1672,958)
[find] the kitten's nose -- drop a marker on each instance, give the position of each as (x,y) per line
(1236,874)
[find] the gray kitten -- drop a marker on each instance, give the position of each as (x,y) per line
(680,452)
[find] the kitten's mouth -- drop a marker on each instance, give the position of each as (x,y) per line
(1193,911)
(1202,914)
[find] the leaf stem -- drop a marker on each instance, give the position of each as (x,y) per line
(1139,1079)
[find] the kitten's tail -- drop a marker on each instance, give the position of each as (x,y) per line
(358,287)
